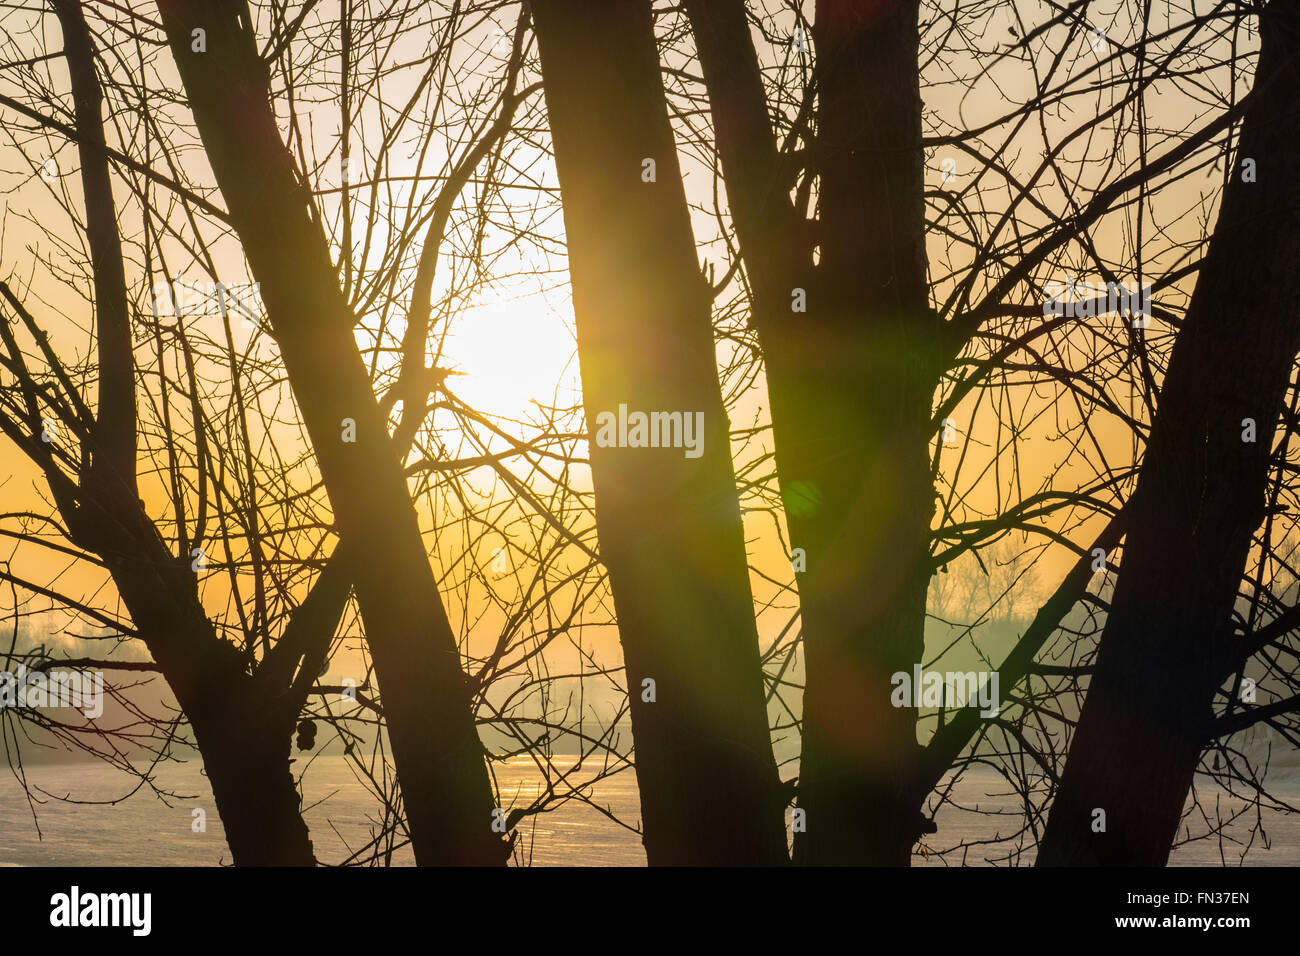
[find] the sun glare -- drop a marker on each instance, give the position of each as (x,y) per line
(510,353)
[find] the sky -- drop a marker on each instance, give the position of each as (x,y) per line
(509,335)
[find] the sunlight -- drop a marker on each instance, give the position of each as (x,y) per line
(511,352)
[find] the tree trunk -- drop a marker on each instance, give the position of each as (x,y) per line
(1168,641)
(114,446)
(669,522)
(245,743)
(851,383)
(243,735)
(427,708)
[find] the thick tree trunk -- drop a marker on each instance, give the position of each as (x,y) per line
(245,741)
(669,524)
(851,383)
(1168,639)
(436,748)
(864,595)
(242,725)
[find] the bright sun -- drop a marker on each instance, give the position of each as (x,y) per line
(512,352)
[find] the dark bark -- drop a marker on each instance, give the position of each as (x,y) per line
(242,725)
(669,526)
(1168,641)
(226,706)
(851,384)
(435,746)
(245,741)
(243,735)
(113,449)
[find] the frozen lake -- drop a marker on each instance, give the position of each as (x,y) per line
(139,829)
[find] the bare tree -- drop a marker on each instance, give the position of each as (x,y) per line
(1168,643)
(836,125)
(438,755)
(217,420)
(669,524)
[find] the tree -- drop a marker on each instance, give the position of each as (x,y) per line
(435,747)
(851,351)
(898,194)
(1169,641)
(241,720)
(667,517)
(870,374)
(226,467)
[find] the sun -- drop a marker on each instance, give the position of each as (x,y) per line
(512,352)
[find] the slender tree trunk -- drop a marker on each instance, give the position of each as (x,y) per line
(668,520)
(243,735)
(114,447)
(435,745)
(851,382)
(1168,642)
